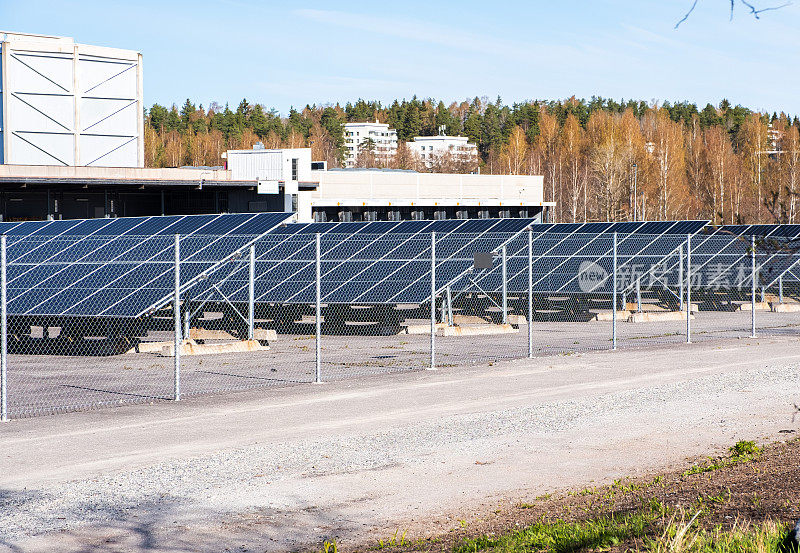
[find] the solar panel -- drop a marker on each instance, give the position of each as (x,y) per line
(564,255)
(118,267)
(369,263)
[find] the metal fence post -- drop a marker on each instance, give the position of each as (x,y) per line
(638,294)
(318,313)
(433,301)
(614,296)
(688,288)
(3,333)
(753,286)
(187,312)
(450,321)
(504,255)
(680,277)
(176,392)
(780,289)
(530,293)
(251,295)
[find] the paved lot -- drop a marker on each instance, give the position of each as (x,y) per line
(47,383)
(359,458)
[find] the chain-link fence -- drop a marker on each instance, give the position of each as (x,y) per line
(89,321)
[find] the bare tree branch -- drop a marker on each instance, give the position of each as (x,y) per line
(685,17)
(755,12)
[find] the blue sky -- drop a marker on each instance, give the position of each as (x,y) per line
(292,53)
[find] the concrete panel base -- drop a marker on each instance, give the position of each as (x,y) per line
(477,330)
(785,307)
(190,347)
(760,306)
(657,317)
(609,316)
(267,334)
(420,329)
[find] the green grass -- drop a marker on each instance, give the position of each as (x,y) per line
(565,537)
(742,452)
(766,537)
(605,532)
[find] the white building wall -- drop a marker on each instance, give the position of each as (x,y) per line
(274,165)
(70,104)
(364,187)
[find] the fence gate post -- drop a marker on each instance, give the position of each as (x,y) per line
(530,293)
(251,295)
(614,295)
(3,332)
(318,313)
(753,286)
(688,288)
(176,377)
(504,255)
(433,301)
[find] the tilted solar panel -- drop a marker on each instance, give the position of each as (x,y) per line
(369,262)
(563,261)
(118,267)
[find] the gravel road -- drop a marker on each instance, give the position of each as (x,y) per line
(273,470)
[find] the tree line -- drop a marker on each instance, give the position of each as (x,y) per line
(725,163)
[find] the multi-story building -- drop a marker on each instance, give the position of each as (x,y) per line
(430,148)
(384,141)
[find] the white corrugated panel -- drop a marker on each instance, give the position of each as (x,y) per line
(71,104)
(256,165)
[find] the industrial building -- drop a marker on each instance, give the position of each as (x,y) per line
(69,104)
(72,136)
(391,195)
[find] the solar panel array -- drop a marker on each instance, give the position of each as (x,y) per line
(124,267)
(722,255)
(578,258)
(369,263)
(118,267)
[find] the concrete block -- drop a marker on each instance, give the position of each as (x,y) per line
(760,306)
(470,320)
(786,307)
(609,315)
(516,320)
(419,329)
(189,347)
(148,347)
(476,330)
(267,334)
(657,317)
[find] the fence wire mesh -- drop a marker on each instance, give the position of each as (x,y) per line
(103,320)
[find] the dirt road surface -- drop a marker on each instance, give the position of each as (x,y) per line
(285,469)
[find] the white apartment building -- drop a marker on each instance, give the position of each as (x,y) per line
(428,148)
(384,139)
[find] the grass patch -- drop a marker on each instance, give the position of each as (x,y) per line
(741,452)
(565,537)
(682,537)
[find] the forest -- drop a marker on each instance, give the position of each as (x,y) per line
(725,163)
